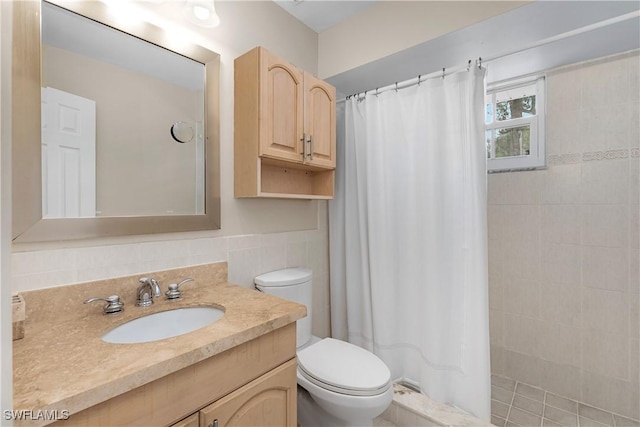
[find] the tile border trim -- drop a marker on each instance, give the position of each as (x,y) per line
(575,158)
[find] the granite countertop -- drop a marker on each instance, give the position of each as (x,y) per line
(62,364)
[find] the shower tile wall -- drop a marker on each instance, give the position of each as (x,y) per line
(564,245)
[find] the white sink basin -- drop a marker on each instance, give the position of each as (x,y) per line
(165,324)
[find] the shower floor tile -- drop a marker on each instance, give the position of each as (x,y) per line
(516,404)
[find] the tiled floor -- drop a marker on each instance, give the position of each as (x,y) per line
(517,404)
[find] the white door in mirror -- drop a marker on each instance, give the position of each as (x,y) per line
(162,325)
(68,155)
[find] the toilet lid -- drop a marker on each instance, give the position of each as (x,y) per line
(344,368)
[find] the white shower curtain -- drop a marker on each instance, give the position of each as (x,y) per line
(408,235)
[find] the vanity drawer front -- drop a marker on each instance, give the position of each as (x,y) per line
(170,399)
(269,401)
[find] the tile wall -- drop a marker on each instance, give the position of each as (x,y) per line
(247,257)
(563,245)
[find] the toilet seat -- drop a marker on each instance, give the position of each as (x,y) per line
(344,368)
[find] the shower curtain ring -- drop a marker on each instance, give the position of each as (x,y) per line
(469,65)
(443,74)
(419,76)
(479,62)
(396,86)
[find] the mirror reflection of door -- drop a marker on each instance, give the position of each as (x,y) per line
(68,155)
(140,90)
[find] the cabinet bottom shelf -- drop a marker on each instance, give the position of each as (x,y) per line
(291,183)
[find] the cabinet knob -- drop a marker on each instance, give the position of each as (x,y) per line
(214,423)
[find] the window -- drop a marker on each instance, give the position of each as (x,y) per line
(514,125)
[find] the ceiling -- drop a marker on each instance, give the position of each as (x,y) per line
(320,15)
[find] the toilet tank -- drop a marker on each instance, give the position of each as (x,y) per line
(293,284)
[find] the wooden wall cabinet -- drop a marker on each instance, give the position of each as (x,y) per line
(285,130)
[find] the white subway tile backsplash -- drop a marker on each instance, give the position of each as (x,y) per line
(296,254)
(24,263)
(318,256)
(272,258)
(244,266)
(246,241)
(212,249)
(151,252)
(105,256)
(49,279)
(98,273)
(163,264)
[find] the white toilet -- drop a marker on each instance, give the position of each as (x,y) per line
(339,384)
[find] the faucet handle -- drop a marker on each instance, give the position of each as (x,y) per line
(113,304)
(155,287)
(174,289)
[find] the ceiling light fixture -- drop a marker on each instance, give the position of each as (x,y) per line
(202,13)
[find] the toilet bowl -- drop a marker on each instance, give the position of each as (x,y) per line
(339,384)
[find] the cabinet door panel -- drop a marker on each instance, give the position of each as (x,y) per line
(320,119)
(282,112)
(190,421)
(269,401)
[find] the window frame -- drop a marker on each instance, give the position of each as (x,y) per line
(536,159)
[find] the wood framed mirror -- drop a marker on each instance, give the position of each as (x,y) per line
(32,220)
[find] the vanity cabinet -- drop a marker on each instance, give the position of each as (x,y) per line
(285,129)
(192,420)
(252,384)
(268,401)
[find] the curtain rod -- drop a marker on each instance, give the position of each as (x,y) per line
(441,74)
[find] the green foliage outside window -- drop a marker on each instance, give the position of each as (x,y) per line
(514,141)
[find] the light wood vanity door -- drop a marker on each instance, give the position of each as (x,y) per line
(191,421)
(269,401)
(281,109)
(320,122)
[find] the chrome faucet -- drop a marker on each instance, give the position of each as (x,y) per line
(148,289)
